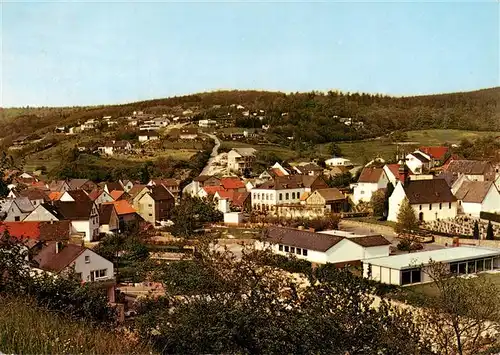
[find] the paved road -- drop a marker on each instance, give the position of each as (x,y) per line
(214,153)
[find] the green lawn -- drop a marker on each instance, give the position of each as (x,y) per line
(440,136)
(282,152)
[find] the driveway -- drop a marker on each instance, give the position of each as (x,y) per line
(215,151)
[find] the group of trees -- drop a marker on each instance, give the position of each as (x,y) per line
(191,214)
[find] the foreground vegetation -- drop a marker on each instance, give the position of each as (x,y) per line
(26,328)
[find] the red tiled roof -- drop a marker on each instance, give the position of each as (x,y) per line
(435,152)
(232,183)
(57,230)
(116,194)
(278,172)
(55,195)
(371,175)
(211,190)
(239,198)
(94,194)
(122,207)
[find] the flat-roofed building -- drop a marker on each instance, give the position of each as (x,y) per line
(405,269)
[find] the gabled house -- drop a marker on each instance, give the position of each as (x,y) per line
(19,209)
(418,162)
(431,200)
(308,169)
(330,199)
(474,170)
(45,212)
(126,213)
(100,196)
(437,154)
(194,187)
(117,195)
(84,217)
(38,231)
(240,160)
(112,186)
(81,184)
(239,201)
(334,247)
(154,203)
(109,222)
(35,196)
(475,197)
(75,196)
(232,184)
(127,185)
(370,180)
(171,185)
(284,190)
(59,258)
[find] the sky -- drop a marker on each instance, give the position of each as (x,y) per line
(89,53)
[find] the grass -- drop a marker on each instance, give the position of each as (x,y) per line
(28,329)
(280,151)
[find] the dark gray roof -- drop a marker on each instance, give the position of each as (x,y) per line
(301,238)
(428,191)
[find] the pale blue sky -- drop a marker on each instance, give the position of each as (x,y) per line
(79,53)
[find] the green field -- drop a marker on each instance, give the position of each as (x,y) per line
(362,151)
(282,152)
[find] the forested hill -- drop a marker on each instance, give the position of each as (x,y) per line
(311,117)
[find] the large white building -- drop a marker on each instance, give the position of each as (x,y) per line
(324,247)
(430,199)
(240,159)
(411,268)
(284,190)
(370,180)
(337,161)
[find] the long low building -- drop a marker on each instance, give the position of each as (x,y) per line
(405,269)
(324,247)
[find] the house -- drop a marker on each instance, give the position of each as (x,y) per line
(117,195)
(188,133)
(284,190)
(35,196)
(232,184)
(154,203)
(89,124)
(19,209)
(160,121)
(59,258)
(75,196)
(431,200)
(81,184)
(437,154)
(109,222)
(235,200)
(406,269)
(113,147)
(171,185)
(308,169)
(127,185)
(147,135)
(331,200)
(127,215)
(276,170)
(100,196)
(38,231)
(207,123)
(337,161)
(55,196)
(327,247)
(475,197)
(474,170)
(418,162)
(112,186)
(84,217)
(194,187)
(370,180)
(45,212)
(240,159)
(59,186)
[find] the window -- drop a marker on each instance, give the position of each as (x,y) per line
(471,267)
(362,192)
(99,274)
(304,252)
(281,197)
(292,249)
(487,264)
(440,206)
(298,251)
(449,205)
(150,205)
(87,259)
(293,195)
(150,215)
(267,197)
(280,247)
(17,218)
(286,196)
(480,265)
(287,249)
(454,268)
(78,275)
(420,207)
(430,206)
(411,276)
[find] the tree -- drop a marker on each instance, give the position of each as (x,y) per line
(406,219)
(190,214)
(462,318)
(242,306)
(377,203)
(6,163)
(475,232)
(334,150)
(489,231)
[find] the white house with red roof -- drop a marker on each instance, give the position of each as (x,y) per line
(370,180)
(436,154)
